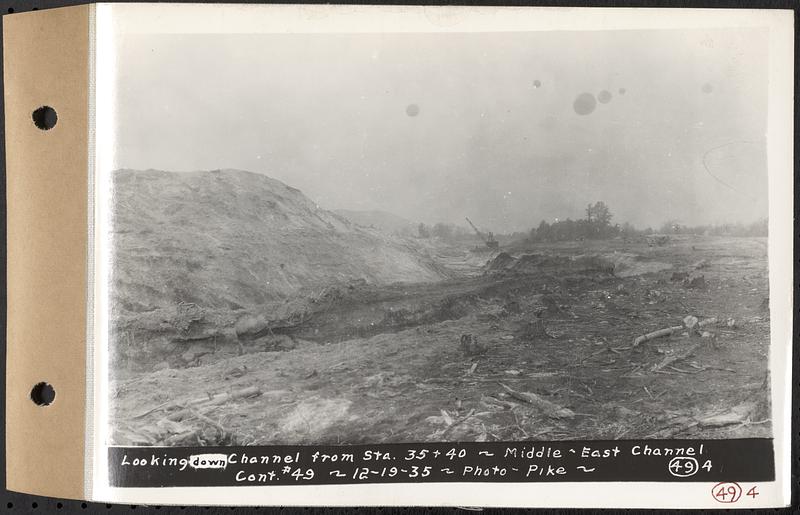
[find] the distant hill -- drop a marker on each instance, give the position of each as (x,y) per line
(386,222)
(234,239)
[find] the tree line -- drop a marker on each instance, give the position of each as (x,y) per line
(598,225)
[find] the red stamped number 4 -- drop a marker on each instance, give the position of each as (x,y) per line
(730,492)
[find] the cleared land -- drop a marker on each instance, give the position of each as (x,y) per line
(363,362)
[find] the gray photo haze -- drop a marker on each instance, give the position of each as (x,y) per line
(507,128)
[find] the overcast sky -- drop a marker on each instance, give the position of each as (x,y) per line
(435,127)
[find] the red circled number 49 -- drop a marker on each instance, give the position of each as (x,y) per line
(730,492)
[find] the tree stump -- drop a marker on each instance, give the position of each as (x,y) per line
(536,329)
(470,346)
(695,283)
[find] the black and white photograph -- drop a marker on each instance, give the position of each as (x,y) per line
(390,237)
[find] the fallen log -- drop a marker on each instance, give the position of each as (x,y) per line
(183,438)
(670,330)
(737,415)
(656,334)
(550,409)
(502,403)
(211,400)
(702,368)
(163,406)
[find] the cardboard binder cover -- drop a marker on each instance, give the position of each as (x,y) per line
(46,63)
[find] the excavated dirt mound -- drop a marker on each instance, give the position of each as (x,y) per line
(212,256)
(502,262)
(237,239)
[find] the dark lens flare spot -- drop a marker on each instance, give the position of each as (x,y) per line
(537,84)
(707,87)
(621,91)
(604,97)
(584,104)
(412,110)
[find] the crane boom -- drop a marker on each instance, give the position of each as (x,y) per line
(479,233)
(488,240)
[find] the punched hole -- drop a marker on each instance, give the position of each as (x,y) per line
(43,394)
(45,118)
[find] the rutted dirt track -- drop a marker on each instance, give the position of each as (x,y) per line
(387,364)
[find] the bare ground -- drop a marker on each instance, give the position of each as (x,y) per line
(386,364)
